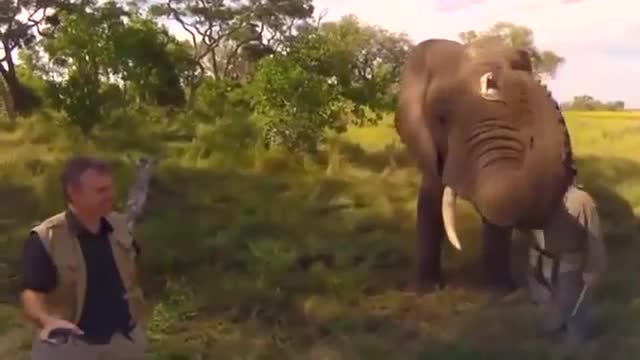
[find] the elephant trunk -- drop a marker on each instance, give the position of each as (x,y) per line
(504,197)
(499,202)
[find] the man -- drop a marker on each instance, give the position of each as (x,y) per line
(566,259)
(79,273)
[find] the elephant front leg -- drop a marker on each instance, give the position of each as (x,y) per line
(430,234)
(496,255)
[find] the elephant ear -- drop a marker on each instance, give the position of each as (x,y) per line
(521,60)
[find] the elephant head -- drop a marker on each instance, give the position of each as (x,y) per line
(499,139)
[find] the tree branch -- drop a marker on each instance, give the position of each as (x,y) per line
(36,23)
(7,51)
(233,55)
(6,96)
(178,18)
(8,58)
(321,16)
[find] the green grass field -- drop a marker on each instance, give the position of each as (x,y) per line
(259,257)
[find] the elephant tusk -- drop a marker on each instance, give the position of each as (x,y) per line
(449,216)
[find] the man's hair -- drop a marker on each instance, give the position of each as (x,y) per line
(78,165)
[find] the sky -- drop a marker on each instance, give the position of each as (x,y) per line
(600,39)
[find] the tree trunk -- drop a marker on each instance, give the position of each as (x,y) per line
(7,107)
(21,100)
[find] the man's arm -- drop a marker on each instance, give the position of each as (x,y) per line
(33,307)
(38,278)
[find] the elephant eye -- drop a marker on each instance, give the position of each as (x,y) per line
(489,87)
(491,82)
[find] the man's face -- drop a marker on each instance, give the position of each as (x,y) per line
(94,193)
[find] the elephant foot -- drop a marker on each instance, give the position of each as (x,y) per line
(424,287)
(496,254)
(502,286)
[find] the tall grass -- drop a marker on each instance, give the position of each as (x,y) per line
(252,254)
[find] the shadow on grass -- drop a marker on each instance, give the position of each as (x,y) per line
(18,199)
(393,155)
(601,176)
(240,224)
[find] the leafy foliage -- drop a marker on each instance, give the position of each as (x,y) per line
(298,79)
(227,36)
(101,46)
(373,59)
(21,22)
(328,78)
(150,61)
(545,62)
(296,105)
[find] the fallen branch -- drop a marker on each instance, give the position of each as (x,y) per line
(138,192)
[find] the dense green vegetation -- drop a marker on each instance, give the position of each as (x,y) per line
(280,222)
(104,66)
(589,103)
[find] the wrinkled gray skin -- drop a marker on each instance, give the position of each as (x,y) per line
(504,148)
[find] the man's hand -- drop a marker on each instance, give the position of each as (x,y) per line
(55,323)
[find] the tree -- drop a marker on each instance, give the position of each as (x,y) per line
(20,23)
(589,103)
(150,62)
(6,102)
(103,55)
(468,36)
(327,78)
(292,97)
(372,60)
(221,31)
(545,62)
(81,61)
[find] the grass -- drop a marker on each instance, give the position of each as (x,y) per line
(261,257)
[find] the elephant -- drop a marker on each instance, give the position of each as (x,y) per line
(480,127)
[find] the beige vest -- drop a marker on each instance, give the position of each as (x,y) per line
(67,299)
